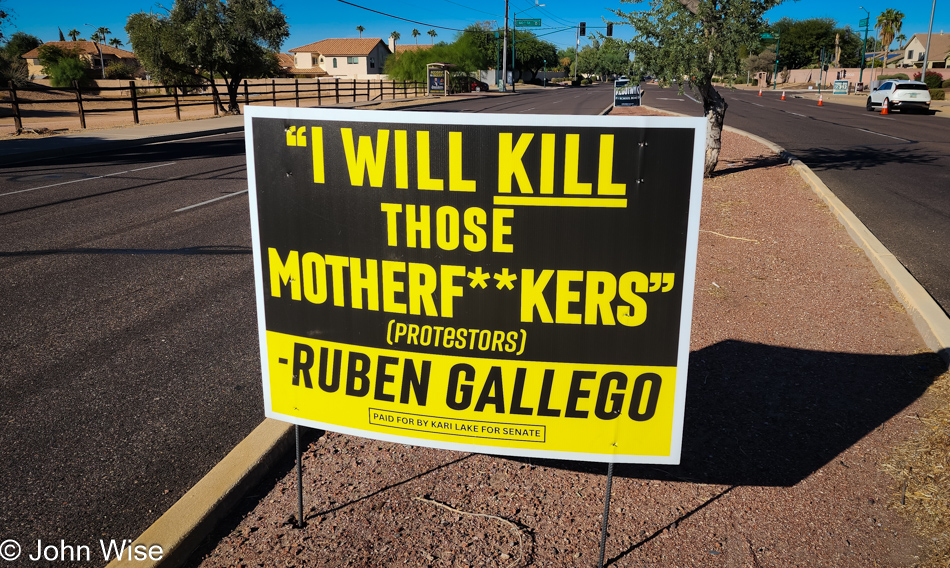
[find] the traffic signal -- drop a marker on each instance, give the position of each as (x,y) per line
(610,29)
(583,28)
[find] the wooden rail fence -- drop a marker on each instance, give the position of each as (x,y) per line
(163,97)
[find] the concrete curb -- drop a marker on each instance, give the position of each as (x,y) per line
(181,529)
(929,318)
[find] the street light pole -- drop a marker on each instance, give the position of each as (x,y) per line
(775,73)
(923,72)
(514,42)
(867,22)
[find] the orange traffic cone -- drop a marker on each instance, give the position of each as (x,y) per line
(819,101)
(884,108)
(783,95)
(760,91)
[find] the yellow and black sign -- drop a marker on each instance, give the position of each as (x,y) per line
(499,284)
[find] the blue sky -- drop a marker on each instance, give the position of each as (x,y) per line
(315,20)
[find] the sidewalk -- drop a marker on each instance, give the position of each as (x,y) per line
(791,323)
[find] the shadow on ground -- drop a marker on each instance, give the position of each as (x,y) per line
(862,158)
(771,416)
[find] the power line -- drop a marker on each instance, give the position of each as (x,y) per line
(473,9)
(400,18)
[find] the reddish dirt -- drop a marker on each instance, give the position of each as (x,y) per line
(804,371)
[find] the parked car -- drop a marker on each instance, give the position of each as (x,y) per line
(477,85)
(901,95)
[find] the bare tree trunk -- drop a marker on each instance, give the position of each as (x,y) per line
(232,86)
(714,107)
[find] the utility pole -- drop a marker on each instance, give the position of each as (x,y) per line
(504,56)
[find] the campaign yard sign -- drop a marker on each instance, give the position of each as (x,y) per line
(515,285)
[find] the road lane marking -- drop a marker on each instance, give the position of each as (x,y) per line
(879,134)
(210,201)
(665,99)
(85,179)
(691,98)
(758,105)
(796,114)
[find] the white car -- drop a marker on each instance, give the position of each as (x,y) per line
(898,94)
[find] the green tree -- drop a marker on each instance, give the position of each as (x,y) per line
(697,39)
(63,66)
(415,35)
(759,62)
(4,16)
(13,68)
(231,39)
(20,43)
(73,34)
(802,41)
(116,42)
(119,70)
(530,53)
(432,34)
(395,37)
(888,25)
(360,29)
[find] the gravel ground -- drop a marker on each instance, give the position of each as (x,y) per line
(804,371)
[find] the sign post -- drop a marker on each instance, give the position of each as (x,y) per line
(627,93)
(498,284)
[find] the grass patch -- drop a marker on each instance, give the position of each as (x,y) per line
(921,469)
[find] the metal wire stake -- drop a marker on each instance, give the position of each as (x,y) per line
(603,528)
(299,480)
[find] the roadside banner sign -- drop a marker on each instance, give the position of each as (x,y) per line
(841,87)
(503,284)
(627,93)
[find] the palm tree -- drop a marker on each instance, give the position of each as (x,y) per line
(116,42)
(432,35)
(103,32)
(360,29)
(395,37)
(415,35)
(888,25)
(73,34)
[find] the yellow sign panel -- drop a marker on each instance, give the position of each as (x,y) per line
(478,402)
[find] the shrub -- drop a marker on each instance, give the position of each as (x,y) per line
(933,80)
(119,70)
(938,94)
(945,84)
(66,70)
(900,76)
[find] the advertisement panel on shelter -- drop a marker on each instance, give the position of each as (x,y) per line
(437,81)
(515,285)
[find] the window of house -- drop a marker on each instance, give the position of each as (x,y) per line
(372,63)
(352,60)
(910,54)
(334,62)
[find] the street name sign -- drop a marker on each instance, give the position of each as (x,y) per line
(531,23)
(501,284)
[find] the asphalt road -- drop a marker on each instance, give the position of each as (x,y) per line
(892,171)
(129,360)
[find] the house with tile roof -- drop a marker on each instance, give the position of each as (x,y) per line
(939,57)
(95,53)
(353,58)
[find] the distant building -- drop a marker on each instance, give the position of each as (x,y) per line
(88,50)
(939,51)
(354,58)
